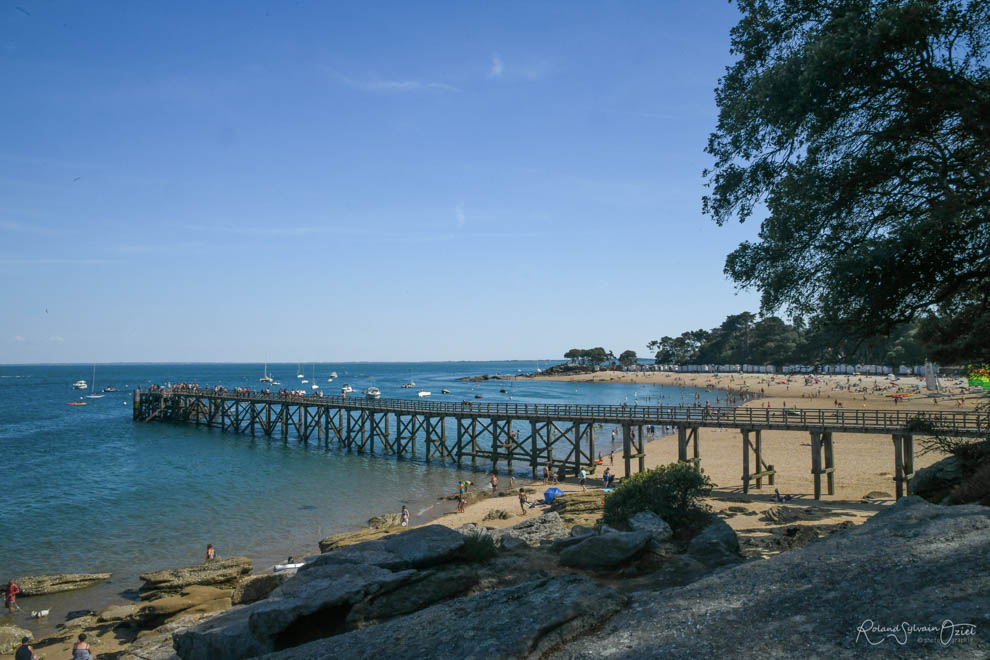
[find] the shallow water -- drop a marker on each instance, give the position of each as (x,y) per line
(89,490)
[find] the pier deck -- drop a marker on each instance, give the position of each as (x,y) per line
(534,435)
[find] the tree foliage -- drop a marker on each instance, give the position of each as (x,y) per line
(627,358)
(862,127)
(672,491)
(741,339)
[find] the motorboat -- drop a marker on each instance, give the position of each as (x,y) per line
(80,385)
(374,393)
(333,374)
(109,388)
(275,382)
(347,389)
(284,568)
(314,386)
(423,393)
(305,380)
(477,396)
(445,391)
(409,384)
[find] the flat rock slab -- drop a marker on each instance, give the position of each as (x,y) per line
(548,527)
(604,551)
(215,571)
(914,562)
(39,585)
(416,548)
(518,622)
(10,637)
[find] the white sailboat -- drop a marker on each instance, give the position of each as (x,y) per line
(314,385)
(299,373)
(266,378)
(92,387)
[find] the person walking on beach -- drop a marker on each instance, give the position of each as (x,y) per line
(24,651)
(546,475)
(522,501)
(460,503)
(211,553)
(605,478)
(584,476)
(405,516)
(494,482)
(81,649)
(10,596)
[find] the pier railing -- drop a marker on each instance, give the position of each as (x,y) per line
(961,423)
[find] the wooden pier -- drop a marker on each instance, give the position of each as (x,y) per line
(529,436)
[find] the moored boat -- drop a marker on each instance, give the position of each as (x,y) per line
(374,393)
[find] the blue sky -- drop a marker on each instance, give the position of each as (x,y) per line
(314,181)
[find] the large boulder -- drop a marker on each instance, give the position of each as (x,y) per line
(114,613)
(255,587)
(343,539)
(11,636)
(911,568)
(580,507)
(213,572)
(417,547)
(604,551)
(523,621)
(194,599)
(658,529)
(716,545)
(936,481)
(39,585)
(385,521)
(420,590)
(548,527)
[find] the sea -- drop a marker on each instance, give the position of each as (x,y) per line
(86,489)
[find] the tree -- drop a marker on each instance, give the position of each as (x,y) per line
(627,358)
(574,355)
(861,125)
(596,355)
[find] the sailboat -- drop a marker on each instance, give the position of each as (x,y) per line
(299,373)
(92,387)
(314,385)
(266,378)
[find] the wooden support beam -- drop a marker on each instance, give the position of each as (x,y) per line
(829,462)
(759,458)
(898,467)
(682,444)
(816,462)
(745,475)
(908,458)
(627,447)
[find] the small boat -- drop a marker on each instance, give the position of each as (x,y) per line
(92,388)
(333,374)
(503,391)
(477,396)
(275,382)
(266,378)
(445,391)
(80,385)
(76,403)
(374,393)
(282,568)
(109,388)
(347,389)
(305,380)
(423,393)
(299,373)
(408,385)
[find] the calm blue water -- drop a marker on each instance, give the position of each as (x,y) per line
(87,489)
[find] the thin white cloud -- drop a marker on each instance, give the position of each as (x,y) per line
(497,68)
(397,86)
(459,214)
(17,339)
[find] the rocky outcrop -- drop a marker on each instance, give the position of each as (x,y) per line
(11,636)
(336,592)
(913,564)
(605,551)
(214,572)
(39,585)
(579,508)
(548,527)
(255,587)
(658,529)
(716,545)
(343,539)
(385,521)
(935,482)
(518,622)
(115,613)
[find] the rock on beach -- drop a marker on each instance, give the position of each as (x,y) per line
(40,585)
